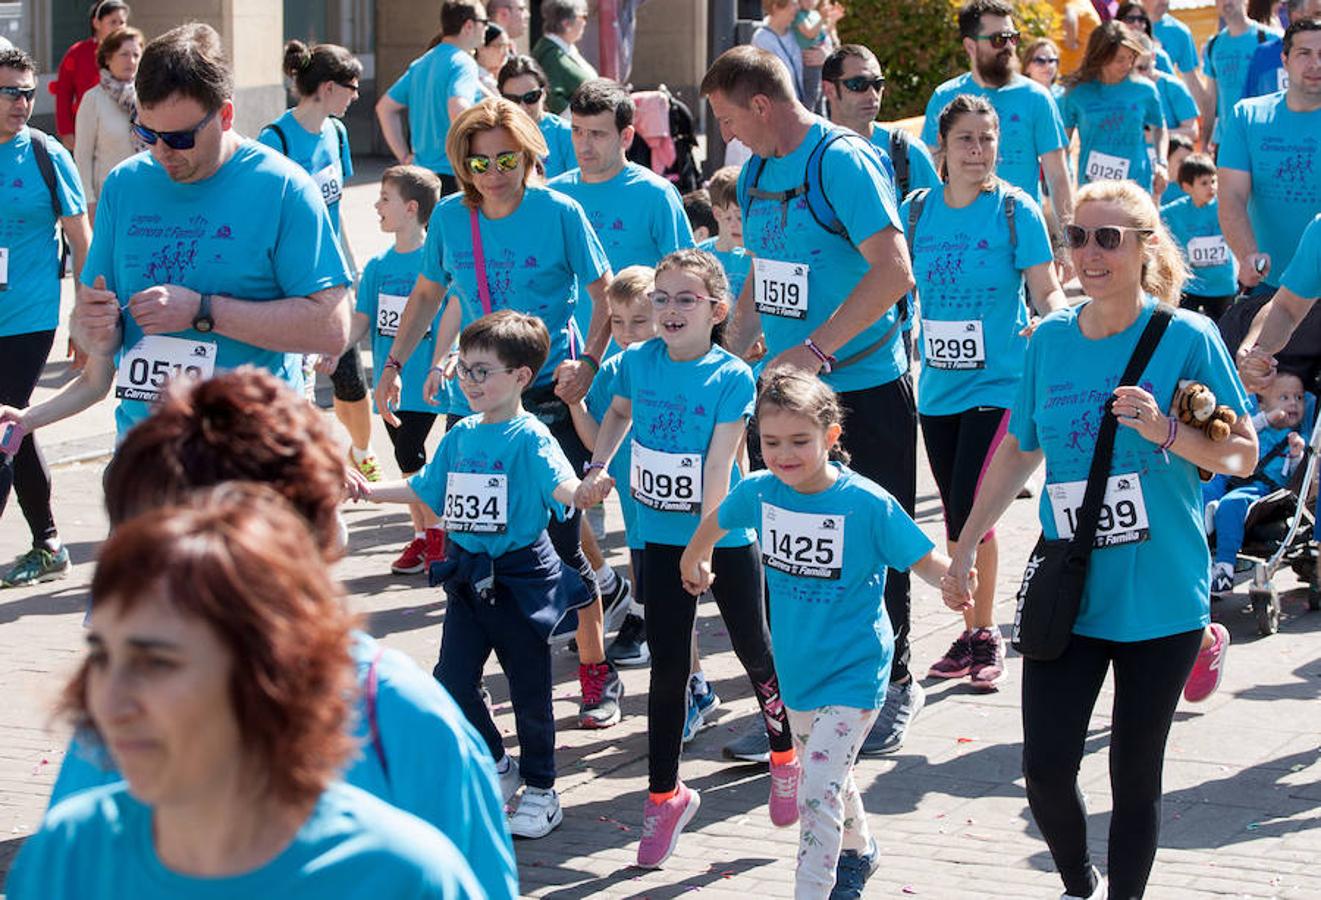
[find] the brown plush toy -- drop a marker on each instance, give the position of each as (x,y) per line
(1194,405)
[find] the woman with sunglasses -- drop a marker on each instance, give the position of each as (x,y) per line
(1111,109)
(976,241)
(1041,63)
(522,82)
(1147,596)
(497,48)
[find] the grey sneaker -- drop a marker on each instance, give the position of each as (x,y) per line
(753,745)
(902,704)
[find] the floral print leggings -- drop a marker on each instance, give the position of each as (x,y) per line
(830,813)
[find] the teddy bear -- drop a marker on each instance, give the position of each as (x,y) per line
(1194,405)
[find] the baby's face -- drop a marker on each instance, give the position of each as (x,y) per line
(1286,394)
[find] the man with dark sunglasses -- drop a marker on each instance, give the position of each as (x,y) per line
(212,251)
(437,86)
(1032,137)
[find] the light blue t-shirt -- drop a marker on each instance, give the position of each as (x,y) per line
(1196,229)
(318,154)
(1176,39)
(1303,276)
(1163,62)
(1266,73)
(1281,149)
(559,138)
(256,230)
(921,167)
(539,259)
(1030,125)
(599,397)
(1158,585)
(1110,119)
(856,181)
(425,88)
(676,408)
(808,18)
(30,298)
(825,558)
(511,505)
(969,275)
(638,216)
(386,282)
(1225,58)
(98,845)
(736,262)
(1176,102)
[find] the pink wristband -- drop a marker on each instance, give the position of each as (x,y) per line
(1171,435)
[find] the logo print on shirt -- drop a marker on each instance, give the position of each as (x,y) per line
(172,264)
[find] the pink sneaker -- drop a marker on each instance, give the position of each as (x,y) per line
(1210,665)
(662,823)
(784,793)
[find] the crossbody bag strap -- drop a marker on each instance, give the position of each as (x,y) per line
(479,263)
(371,693)
(1089,514)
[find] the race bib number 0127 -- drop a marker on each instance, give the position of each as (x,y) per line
(802,544)
(1123,517)
(780,288)
(153,361)
(667,482)
(476,502)
(1208,251)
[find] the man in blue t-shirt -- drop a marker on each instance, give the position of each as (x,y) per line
(1176,39)
(1266,73)
(827,301)
(437,86)
(1225,59)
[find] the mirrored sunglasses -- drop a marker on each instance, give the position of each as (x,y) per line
(507,161)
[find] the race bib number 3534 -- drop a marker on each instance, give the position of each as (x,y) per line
(150,364)
(476,502)
(668,482)
(802,544)
(1123,517)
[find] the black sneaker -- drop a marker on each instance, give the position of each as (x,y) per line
(629,648)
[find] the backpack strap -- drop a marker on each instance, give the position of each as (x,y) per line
(1010,205)
(818,204)
(915,205)
(370,692)
(46,166)
(899,146)
(279,133)
(343,134)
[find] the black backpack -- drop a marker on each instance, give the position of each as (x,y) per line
(899,144)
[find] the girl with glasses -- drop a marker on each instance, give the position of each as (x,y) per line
(522,82)
(1146,599)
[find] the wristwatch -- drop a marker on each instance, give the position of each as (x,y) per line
(202,321)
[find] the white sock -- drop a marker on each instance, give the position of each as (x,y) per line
(605,579)
(360,455)
(419,535)
(637,609)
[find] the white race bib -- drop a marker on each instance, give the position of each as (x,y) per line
(954,345)
(780,288)
(1281,79)
(4,268)
(1123,518)
(1151,156)
(330,181)
(155,359)
(476,502)
(668,482)
(389,312)
(802,544)
(1204,252)
(1104,167)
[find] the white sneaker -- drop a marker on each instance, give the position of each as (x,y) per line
(1099,893)
(538,813)
(509,779)
(1209,517)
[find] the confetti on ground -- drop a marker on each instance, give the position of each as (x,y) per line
(965,740)
(909,889)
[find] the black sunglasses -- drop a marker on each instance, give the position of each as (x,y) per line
(526,99)
(13,93)
(348,85)
(1046,60)
(1108,237)
(1000,39)
(859,83)
(175,140)
(1136,19)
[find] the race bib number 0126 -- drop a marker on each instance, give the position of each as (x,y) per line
(153,361)
(667,482)
(802,544)
(954,345)
(476,502)
(780,288)
(1104,167)
(1123,518)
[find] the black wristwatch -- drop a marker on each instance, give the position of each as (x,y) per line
(202,321)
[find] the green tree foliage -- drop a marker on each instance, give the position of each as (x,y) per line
(917,43)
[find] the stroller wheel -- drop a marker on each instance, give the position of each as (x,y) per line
(1266,606)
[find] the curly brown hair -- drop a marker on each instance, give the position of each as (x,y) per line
(242,425)
(237,557)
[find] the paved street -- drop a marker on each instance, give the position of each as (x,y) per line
(1242,777)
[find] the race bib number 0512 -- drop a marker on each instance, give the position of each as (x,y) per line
(476,502)
(802,544)
(1123,517)
(146,368)
(668,482)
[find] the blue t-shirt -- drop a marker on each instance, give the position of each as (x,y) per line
(857,182)
(256,230)
(425,88)
(538,260)
(676,408)
(1110,119)
(1196,229)
(921,167)
(1226,58)
(559,138)
(28,241)
(1136,589)
(825,558)
(599,397)
(1030,125)
(970,284)
(386,282)
(736,262)
(318,154)
(1266,73)
(1176,101)
(99,844)
(808,18)
(1303,276)
(510,505)
(1281,149)
(1176,39)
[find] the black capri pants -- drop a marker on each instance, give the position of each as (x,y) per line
(410,439)
(959,448)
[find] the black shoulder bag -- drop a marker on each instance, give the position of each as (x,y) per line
(1056,573)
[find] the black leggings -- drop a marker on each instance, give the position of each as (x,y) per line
(1211,307)
(410,439)
(1058,697)
(959,448)
(22,357)
(671,611)
(348,381)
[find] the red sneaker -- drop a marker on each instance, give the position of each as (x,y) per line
(413,558)
(435,546)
